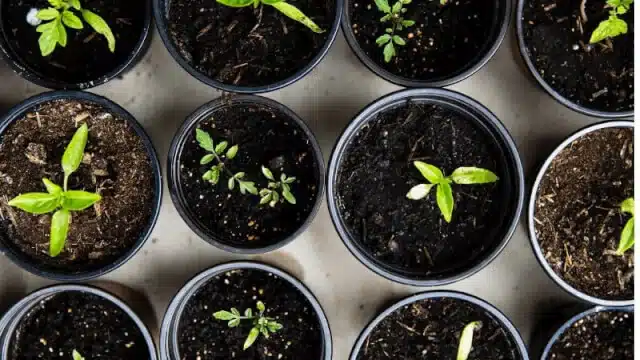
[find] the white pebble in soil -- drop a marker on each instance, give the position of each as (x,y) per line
(32,17)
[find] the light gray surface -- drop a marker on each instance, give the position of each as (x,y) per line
(160,94)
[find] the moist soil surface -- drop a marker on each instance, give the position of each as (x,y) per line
(116,165)
(597,76)
(86,56)
(201,336)
(605,335)
(411,236)
(442,43)
(247,46)
(431,328)
(577,217)
(93,326)
(265,136)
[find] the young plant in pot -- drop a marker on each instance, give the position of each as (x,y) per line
(581,53)
(80,185)
(246,174)
(425,186)
(248,46)
(245,311)
(581,214)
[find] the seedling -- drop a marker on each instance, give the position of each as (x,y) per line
(60,15)
(444,193)
(261,324)
(627,237)
(280,5)
(60,201)
(612,26)
(394,14)
(77,356)
(466,339)
(270,194)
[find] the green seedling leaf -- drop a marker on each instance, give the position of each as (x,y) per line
(264,331)
(101,27)
(260,306)
(385,18)
(444,198)
(234,323)
(248,187)
(62,32)
(239,175)
(248,313)
(231,153)
(274,326)
(398,40)
(48,14)
(473,175)
(419,191)
(297,15)
(627,206)
(265,198)
(289,180)
(407,23)
(286,193)
(274,199)
(430,172)
(235,312)
(627,239)
(609,28)
(52,188)
(74,152)
(253,335)
(76,355)
(231,183)
(36,203)
(396,7)
(383,39)
(383,5)
(75,4)
(221,147)
(204,140)
(56,3)
(466,340)
(71,20)
(267,173)
(78,200)
(48,39)
(207,159)
(59,229)
(389,52)
(235,3)
(224,315)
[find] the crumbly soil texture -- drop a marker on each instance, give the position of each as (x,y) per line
(86,56)
(605,335)
(577,217)
(247,46)
(265,136)
(596,76)
(411,236)
(201,336)
(431,328)
(115,165)
(444,41)
(74,320)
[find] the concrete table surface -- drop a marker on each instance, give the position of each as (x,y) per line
(160,94)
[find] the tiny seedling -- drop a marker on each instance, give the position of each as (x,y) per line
(59,15)
(280,5)
(613,25)
(261,324)
(76,355)
(395,15)
(627,237)
(466,339)
(60,201)
(270,194)
(444,193)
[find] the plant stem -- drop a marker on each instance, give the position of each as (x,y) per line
(220,162)
(66,180)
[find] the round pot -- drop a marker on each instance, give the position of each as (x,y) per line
(502,18)
(35,75)
(171,320)
(532,207)
(161,15)
(11,320)
(489,309)
(37,268)
(510,162)
(184,135)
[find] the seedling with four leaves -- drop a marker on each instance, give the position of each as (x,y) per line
(466,340)
(270,194)
(77,356)
(393,14)
(627,239)
(261,324)
(280,5)
(613,25)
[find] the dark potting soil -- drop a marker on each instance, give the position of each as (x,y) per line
(598,76)
(116,165)
(605,335)
(201,336)
(577,218)
(265,136)
(377,171)
(86,56)
(247,46)
(93,326)
(443,41)
(431,328)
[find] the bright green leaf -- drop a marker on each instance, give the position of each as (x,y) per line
(627,206)
(36,203)
(473,175)
(71,20)
(264,331)
(274,326)
(74,152)
(59,229)
(271,2)
(75,4)
(253,335)
(383,5)
(383,39)
(62,33)
(297,15)
(248,313)
(265,198)
(221,147)
(267,173)
(52,188)
(466,340)
(389,52)
(419,191)
(286,193)
(223,315)
(407,23)
(248,187)
(76,355)
(233,323)
(231,183)
(290,180)
(444,198)
(78,200)
(101,27)
(48,39)
(430,172)
(204,140)
(207,159)
(396,7)
(398,40)
(231,153)
(56,3)
(235,3)
(609,28)
(214,176)
(260,306)
(46,27)
(627,238)
(235,312)
(47,14)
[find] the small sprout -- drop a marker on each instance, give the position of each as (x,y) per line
(76,355)
(466,339)
(270,194)
(627,239)
(280,5)
(261,324)
(398,23)
(444,193)
(612,26)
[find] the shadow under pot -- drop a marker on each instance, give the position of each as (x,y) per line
(57,321)
(248,46)
(80,185)
(425,186)
(580,226)
(441,325)
(84,46)
(245,311)
(572,51)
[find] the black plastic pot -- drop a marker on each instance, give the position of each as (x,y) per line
(173,170)
(33,75)
(531,212)
(502,19)
(491,311)
(10,321)
(477,113)
(171,320)
(27,263)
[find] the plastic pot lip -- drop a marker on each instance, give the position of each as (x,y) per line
(173,168)
(476,63)
(169,328)
(486,306)
(17,111)
(12,318)
(445,96)
(136,54)
(533,239)
(159,11)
